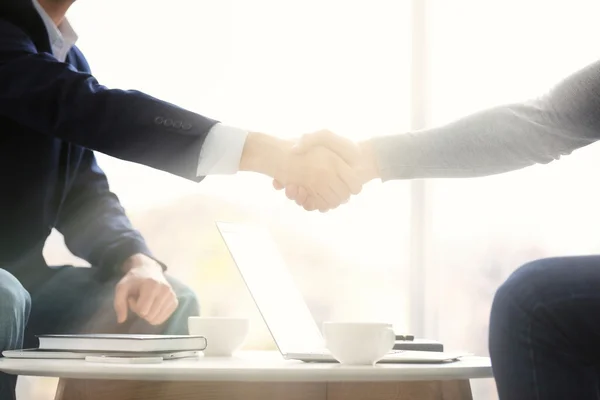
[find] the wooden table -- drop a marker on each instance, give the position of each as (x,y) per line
(255,376)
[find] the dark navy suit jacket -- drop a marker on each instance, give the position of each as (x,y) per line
(52,115)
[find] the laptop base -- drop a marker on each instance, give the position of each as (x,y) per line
(394,357)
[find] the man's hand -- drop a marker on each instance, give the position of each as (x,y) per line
(359,156)
(145,291)
(323,174)
(326,177)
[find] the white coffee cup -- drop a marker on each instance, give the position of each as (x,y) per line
(224,335)
(358,343)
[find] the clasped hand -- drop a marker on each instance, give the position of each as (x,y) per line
(324,170)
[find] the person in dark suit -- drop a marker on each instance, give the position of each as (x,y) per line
(54,115)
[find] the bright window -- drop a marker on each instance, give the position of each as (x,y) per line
(283,68)
(486,53)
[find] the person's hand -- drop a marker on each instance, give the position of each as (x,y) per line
(324,175)
(326,178)
(347,149)
(145,291)
(358,155)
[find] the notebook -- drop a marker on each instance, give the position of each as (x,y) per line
(81,355)
(122,343)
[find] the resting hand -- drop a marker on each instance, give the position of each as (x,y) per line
(145,291)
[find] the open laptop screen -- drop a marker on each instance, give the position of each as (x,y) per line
(272,287)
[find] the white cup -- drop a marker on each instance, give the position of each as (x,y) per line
(224,335)
(358,343)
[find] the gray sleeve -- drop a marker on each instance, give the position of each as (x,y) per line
(500,139)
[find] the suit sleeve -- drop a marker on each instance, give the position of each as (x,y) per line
(52,98)
(500,139)
(94,223)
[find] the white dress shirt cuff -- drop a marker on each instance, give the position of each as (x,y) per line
(222,151)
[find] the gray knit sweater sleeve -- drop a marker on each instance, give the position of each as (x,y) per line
(500,139)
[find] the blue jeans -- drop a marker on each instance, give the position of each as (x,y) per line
(545,331)
(70,300)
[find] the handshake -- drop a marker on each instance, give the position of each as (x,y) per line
(319,171)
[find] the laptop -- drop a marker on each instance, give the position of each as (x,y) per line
(281,304)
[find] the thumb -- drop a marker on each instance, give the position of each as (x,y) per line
(343,147)
(120,304)
(306,142)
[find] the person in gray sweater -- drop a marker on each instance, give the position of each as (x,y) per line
(544,337)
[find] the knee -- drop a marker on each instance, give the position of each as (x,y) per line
(15,305)
(189,306)
(14,299)
(517,294)
(188,303)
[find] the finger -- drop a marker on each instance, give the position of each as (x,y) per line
(329,196)
(341,190)
(310,204)
(163,300)
(302,196)
(331,189)
(325,198)
(277,185)
(314,202)
(323,207)
(132,304)
(120,301)
(291,191)
(148,294)
(349,176)
(166,312)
